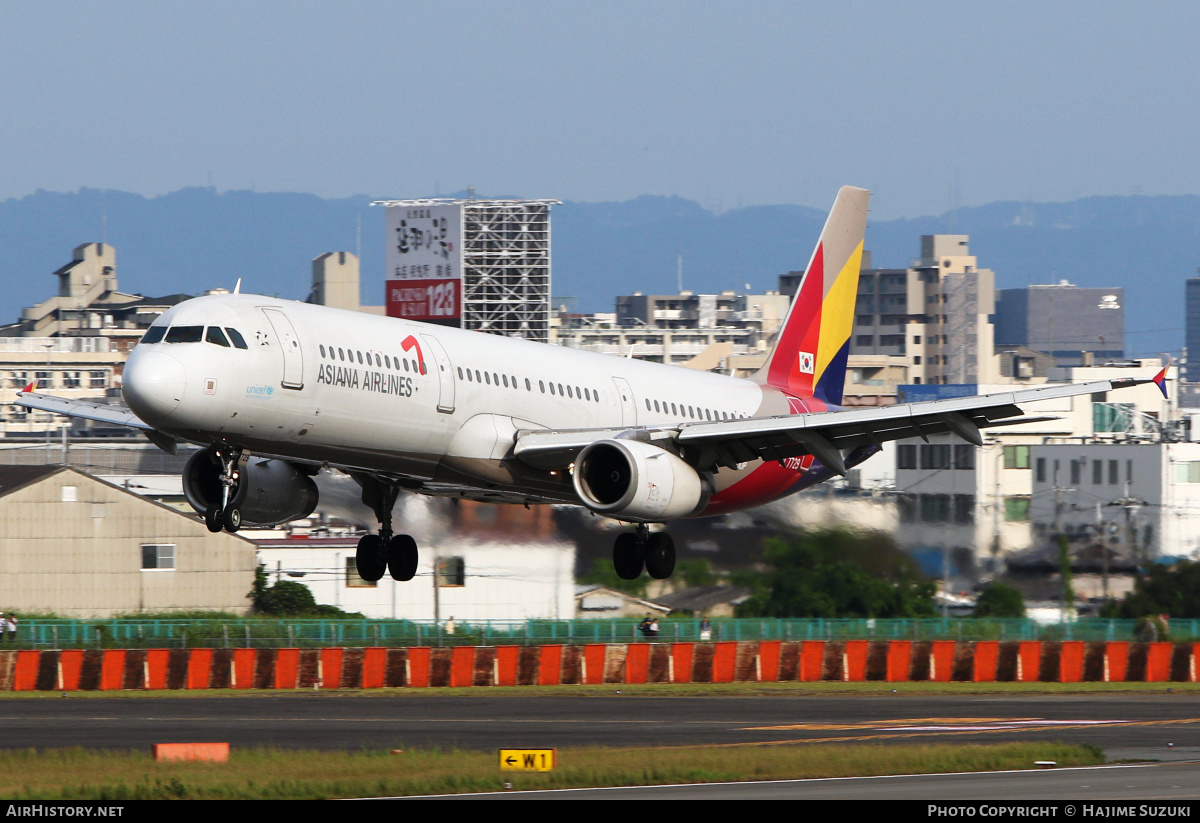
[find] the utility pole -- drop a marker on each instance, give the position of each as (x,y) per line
(1064,548)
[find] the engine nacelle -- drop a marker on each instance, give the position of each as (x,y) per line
(269,492)
(633,480)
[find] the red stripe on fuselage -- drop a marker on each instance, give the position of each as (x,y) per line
(770,481)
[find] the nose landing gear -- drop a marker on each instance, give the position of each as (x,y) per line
(225,514)
(640,549)
(385,551)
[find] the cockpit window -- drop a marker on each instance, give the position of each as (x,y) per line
(215,335)
(238,341)
(154,334)
(185,334)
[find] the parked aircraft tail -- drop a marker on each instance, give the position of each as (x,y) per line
(809,358)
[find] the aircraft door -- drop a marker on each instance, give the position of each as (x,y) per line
(628,407)
(289,343)
(445,373)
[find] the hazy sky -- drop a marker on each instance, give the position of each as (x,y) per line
(728,103)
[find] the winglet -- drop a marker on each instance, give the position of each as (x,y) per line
(1160,380)
(29,388)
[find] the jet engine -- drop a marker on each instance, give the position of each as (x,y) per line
(633,480)
(268,491)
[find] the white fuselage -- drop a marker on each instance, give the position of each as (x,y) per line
(341,388)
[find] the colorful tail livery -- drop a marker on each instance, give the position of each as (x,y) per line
(809,359)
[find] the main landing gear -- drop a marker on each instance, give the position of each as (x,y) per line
(635,550)
(225,514)
(377,553)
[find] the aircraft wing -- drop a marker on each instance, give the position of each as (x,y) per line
(117,415)
(825,435)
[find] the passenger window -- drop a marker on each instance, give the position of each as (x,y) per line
(569,393)
(656,408)
(552,388)
(505,380)
(185,334)
(322,346)
(341,354)
(487,378)
(514,381)
(359,357)
(215,335)
(460,377)
(647,404)
(542,386)
(378,362)
(528,385)
(560,389)
(387,361)
(154,334)
(673,411)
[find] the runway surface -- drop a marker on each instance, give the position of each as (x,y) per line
(1150,726)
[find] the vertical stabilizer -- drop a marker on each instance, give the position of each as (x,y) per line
(809,358)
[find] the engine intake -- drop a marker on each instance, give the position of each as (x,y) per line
(632,480)
(269,491)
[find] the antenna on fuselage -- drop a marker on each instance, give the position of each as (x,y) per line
(237,289)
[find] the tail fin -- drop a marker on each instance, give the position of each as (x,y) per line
(809,358)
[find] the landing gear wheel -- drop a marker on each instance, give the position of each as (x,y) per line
(231,518)
(660,555)
(370,559)
(402,557)
(212,518)
(627,556)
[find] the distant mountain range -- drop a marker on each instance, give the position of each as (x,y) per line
(199,238)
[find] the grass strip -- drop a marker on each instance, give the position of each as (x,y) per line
(277,774)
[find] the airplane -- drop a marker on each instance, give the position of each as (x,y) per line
(276,390)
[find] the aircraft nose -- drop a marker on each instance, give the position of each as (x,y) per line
(153,384)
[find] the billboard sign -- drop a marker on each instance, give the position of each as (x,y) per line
(424,263)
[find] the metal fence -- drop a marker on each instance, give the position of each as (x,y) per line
(260,633)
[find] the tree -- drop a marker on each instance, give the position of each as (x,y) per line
(1173,591)
(288,599)
(840,573)
(999,600)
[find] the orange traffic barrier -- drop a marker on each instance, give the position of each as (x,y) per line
(550,666)
(215,752)
(242,671)
(154,675)
(681,662)
(987,656)
(506,665)
(899,660)
(70,667)
(199,668)
(462,666)
(418,666)
(1029,661)
(287,668)
(854,660)
(941,661)
(812,660)
(593,662)
(331,668)
(768,660)
(25,676)
(112,670)
(1070,662)
(1116,662)
(374,668)
(637,663)
(1158,662)
(724,662)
